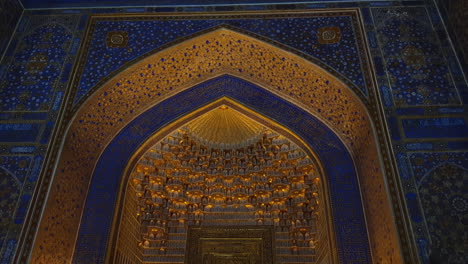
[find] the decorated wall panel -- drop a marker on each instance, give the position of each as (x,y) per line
(34,75)
(10,13)
(421,84)
(428,133)
(329,39)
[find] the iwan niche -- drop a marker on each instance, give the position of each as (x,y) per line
(239,179)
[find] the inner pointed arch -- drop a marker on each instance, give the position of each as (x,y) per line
(119,248)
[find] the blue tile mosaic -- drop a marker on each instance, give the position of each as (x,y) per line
(435,127)
(19,132)
(35,168)
(9,251)
(445,203)
(419,146)
(47,133)
(38,63)
(22,149)
(423,163)
(413,207)
(299,33)
(33,77)
(33,116)
(458,145)
(16,165)
(393,127)
(22,209)
(415,64)
(403,166)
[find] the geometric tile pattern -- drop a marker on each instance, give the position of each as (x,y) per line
(299,32)
(425,162)
(444,198)
(416,67)
(33,77)
(30,81)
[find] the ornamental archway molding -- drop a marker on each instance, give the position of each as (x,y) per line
(165,74)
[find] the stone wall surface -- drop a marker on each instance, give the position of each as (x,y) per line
(421,86)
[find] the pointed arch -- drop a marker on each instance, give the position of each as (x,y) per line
(237,99)
(172,71)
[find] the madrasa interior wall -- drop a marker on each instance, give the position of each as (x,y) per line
(421,83)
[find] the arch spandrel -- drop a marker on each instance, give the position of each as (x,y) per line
(177,68)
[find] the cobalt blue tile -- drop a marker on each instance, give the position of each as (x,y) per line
(22,209)
(35,168)
(35,115)
(22,149)
(403,166)
(419,146)
(447,110)
(19,132)
(457,145)
(393,126)
(435,127)
(410,111)
(413,207)
(47,132)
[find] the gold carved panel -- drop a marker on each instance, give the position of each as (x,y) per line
(230,245)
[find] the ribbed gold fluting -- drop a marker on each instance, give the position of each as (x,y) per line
(225,128)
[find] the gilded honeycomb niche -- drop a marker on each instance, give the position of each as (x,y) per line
(223,169)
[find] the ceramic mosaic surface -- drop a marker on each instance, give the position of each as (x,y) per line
(415,65)
(302,33)
(441,179)
(34,73)
(421,85)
